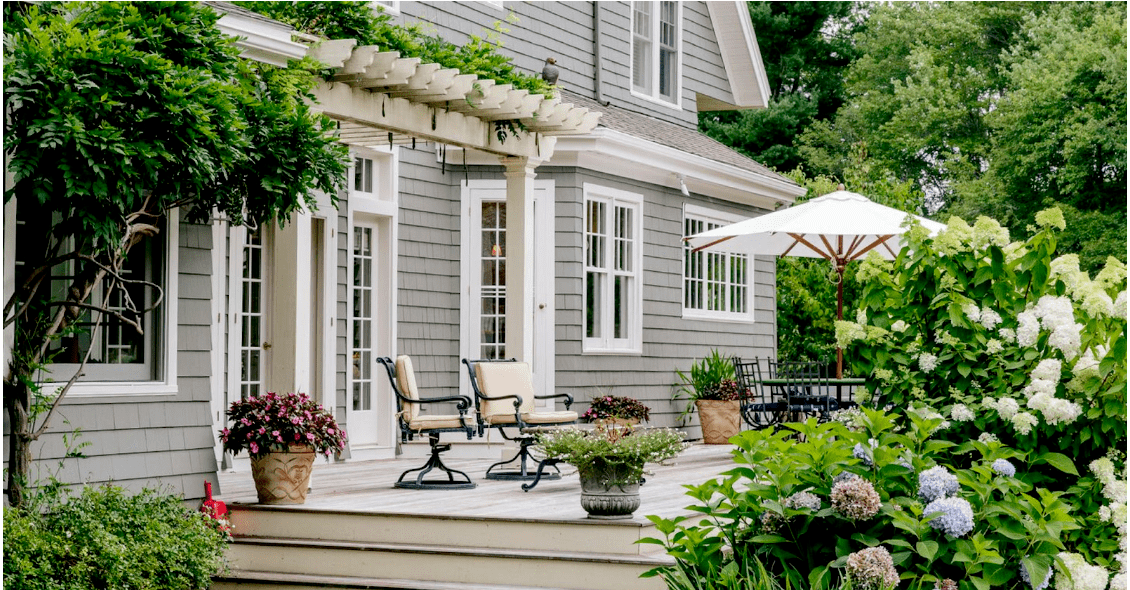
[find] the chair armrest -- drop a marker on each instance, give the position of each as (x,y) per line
(463,402)
(568,398)
(517,399)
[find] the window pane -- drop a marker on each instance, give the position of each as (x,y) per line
(593,297)
(620,307)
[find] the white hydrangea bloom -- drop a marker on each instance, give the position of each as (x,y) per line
(961,413)
(1024,422)
(861,316)
(848,332)
(1118,582)
(1119,308)
(1113,272)
(1059,411)
(1054,311)
(972,312)
(1074,573)
(899,326)
(993,346)
(1068,339)
(927,362)
(1007,334)
(988,232)
(1007,408)
(1038,387)
(990,319)
(1049,369)
(987,437)
(1028,329)
(1066,269)
(1093,299)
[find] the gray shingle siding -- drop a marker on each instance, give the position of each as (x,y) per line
(163,441)
(564,30)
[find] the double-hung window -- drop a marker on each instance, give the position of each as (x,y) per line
(613,270)
(656,51)
(716,284)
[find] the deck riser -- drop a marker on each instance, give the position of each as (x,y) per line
(408,529)
(443,567)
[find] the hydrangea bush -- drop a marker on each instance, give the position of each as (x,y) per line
(922,513)
(1009,342)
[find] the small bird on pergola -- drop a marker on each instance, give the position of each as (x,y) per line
(550,72)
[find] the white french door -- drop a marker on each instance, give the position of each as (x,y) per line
(363,412)
(484,278)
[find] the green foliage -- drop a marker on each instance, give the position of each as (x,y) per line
(712,377)
(969,318)
(105,538)
(804,45)
(993,108)
(753,514)
(614,406)
(117,112)
(480,55)
(618,454)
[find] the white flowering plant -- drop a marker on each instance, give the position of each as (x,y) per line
(803,501)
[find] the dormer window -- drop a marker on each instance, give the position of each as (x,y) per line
(656,51)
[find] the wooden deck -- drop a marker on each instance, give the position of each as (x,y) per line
(367,486)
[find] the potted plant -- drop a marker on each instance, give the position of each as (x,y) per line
(710,388)
(610,462)
(281,433)
(612,409)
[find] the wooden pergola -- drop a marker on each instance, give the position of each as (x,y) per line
(383,99)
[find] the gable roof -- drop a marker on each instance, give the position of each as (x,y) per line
(740,56)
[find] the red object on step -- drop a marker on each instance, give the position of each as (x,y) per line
(214,508)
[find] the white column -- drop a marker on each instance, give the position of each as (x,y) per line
(519,256)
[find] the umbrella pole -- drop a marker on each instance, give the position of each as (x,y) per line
(840,316)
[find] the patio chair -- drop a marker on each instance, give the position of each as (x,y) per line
(806,388)
(504,393)
(758,407)
(412,422)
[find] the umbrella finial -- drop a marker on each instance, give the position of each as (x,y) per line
(840,187)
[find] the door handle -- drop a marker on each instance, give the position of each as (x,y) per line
(266,346)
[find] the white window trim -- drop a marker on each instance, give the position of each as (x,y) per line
(391,7)
(603,345)
(654,96)
(722,217)
(169,344)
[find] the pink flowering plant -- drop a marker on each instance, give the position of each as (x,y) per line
(273,422)
(612,406)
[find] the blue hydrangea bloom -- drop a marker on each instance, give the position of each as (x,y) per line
(1024,575)
(863,454)
(956,518)
(936,482)
(1003,467)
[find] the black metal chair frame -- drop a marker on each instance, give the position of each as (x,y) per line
(525,441)
(435,462)
(758,408)
(802,377)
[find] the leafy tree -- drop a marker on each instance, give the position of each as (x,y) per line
(804,46)
(993,108)
(117,113)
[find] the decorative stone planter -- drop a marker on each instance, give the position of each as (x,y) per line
(283,477)
(720,420)
(604,500)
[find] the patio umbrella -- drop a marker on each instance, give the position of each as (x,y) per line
(840,226)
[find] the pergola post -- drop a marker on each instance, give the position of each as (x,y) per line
(519,256)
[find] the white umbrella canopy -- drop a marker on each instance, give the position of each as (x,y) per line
(840,226)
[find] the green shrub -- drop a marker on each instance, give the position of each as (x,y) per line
(805,498)
(104,538)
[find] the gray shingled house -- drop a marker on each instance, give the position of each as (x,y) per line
(414,260)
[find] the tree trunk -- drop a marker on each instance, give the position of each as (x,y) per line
(17,398)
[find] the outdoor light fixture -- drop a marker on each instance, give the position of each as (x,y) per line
(683,185)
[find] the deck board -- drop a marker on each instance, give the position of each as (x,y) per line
(366,486)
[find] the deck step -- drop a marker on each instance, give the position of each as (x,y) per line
(595,536)
(446,563)
(254,580)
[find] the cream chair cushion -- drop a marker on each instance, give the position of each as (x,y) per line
(506,378)
(501,379)
(430,421)
(406,382)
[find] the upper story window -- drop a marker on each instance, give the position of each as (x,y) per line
(392,6)
(613,270)
(716,284)
(656,50)
(362,175)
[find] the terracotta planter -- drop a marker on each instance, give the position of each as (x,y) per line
(283,477)
(720,420)
(608,501)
